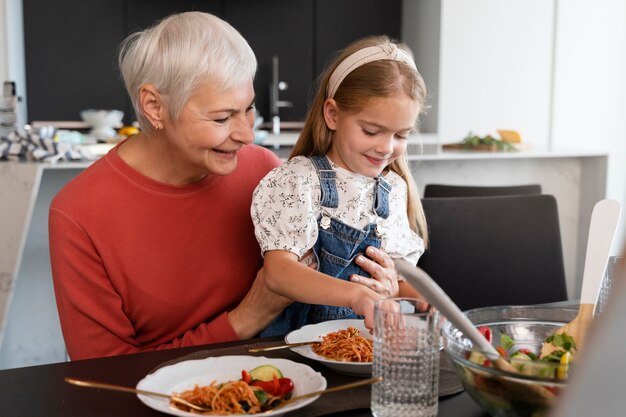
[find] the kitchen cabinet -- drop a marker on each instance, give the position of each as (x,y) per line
(339,22)
(283,28)
(142,13)
(70,57)
(71,46)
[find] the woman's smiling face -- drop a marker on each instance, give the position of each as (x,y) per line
(367,141)
(211,128)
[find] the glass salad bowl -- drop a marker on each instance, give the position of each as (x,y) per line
(533,389)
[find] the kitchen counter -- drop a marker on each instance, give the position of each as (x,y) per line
(576,178)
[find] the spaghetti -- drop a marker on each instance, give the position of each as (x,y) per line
(345,345)
(235,397)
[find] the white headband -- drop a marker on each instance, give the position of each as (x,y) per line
(363,56)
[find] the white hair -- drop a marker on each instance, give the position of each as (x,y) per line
(180,53)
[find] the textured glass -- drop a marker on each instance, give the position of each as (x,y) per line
(406,355)
(613,267)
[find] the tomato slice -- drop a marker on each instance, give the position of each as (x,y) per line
(245,376)
(267,386)
(286,386)
(486,331)
(278,387)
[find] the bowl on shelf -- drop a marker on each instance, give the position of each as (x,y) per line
(532,390)
(103,122)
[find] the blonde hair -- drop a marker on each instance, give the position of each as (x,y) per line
(381,78)
(178,54)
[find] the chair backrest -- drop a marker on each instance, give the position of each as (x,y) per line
(487,251)
(444,190)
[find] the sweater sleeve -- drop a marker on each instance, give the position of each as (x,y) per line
(102,328)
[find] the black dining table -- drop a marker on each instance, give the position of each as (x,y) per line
(41,390)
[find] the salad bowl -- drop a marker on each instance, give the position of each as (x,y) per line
(518,333)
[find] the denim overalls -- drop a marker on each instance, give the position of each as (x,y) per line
(336,248)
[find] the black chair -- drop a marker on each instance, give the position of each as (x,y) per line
(444,190)
(487,251)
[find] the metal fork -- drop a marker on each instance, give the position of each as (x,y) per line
(120,388)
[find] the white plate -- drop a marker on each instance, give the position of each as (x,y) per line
(319,330)
(184,375)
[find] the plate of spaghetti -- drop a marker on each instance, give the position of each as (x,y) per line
(217,383)
(345,345)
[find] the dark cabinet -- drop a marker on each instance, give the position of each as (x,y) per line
(142,13)
(282,28)
(70,57)
(340,22)
(71,46)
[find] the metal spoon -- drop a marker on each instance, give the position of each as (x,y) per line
(120,388)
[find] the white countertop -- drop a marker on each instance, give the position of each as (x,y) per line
(423,147)
(433,152)
(444,155)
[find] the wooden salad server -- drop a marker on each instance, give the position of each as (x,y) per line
(602,228)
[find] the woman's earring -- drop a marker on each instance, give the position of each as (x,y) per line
(157,127)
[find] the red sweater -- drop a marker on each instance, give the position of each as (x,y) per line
(141,265)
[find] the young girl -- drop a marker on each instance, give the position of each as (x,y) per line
(346,186)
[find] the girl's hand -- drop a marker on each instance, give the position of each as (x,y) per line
(363,304)
(384,279)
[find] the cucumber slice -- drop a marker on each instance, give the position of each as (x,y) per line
(265,373)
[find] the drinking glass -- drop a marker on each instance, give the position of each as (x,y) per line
(613,268)
(406,355)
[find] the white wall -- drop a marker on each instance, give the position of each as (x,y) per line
(486,63)
(3,41)
(495,68)
(590,87)
(555,70)
(12,67)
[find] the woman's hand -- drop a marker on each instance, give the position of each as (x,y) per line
(260,305)
(380,266)
(257,309)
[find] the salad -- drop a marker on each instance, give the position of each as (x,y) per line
(553,366)
(259,390)
(271,381)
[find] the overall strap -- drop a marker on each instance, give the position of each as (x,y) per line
(327,176)
(381,197)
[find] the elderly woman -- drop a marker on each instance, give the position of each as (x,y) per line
(153,247)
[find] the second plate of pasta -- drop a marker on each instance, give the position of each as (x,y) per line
(346,349)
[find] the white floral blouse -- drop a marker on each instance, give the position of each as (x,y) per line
(286,208)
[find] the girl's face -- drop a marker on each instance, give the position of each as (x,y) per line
(210,130)
(367,141)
